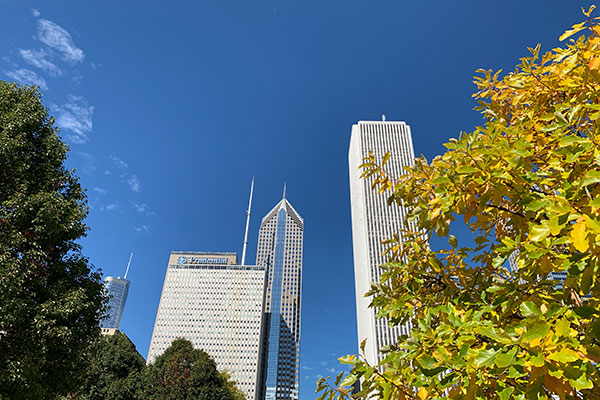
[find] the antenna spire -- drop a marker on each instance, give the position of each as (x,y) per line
(247,223)
(128,264)
(284,184)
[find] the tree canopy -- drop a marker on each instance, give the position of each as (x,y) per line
(183,373)
(50,297)
(116,371)
(527,184)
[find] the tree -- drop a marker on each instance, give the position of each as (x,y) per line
(116,371)
(183,372)
(50,298)
(526,183)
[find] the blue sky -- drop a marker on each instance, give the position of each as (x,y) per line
(171,108)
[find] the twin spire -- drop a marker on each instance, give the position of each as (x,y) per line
(248,220)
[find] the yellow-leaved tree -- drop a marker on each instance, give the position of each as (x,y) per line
(527,184)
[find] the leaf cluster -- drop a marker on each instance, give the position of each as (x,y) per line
(118,372)
(50,297)
(527,184)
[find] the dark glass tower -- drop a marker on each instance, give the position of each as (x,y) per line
(280,250)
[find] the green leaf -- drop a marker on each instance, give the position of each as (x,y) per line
(564,356)
(427,362)
(529,309)
(538,233)
(349,359)
(590,177)
(582,383)
(349,380)
(537,204)
(433,372)
(505,394)
(505,359)
(466,169)
(585,311)
(485,358)
(537,330)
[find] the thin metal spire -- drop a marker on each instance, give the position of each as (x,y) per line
(128,264)
(247,223)
(284,184)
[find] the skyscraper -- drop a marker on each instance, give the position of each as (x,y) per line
(117,289)
(218,306)
(373,221)
(280,241)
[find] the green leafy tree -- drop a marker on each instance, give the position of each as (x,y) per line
(115,372)
(527,183)
(235,393)
(183,373)
(50,299)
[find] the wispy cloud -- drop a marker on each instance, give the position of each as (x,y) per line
(89,162)
(142,228)
(38,59)
(112,207)
(307,368)
(28,77)
(134,183)
(100,191)
(119,163)
(35,12)
(75,117)
(57,38)
(142,208)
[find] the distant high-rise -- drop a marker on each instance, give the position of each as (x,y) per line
(118,289)
(373,221)
(280,241)
(217,305)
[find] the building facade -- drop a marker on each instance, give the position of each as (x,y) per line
(373,221)
(280,242)
(216,304)
(117,289)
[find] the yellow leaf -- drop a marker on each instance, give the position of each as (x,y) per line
(546,265)
(576,28)
(422,393)
(594,63)
(592,224)
(578,236)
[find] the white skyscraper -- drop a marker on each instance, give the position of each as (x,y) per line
(218,306)
(373,221)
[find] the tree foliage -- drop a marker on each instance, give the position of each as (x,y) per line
(116,371)
(527,184)
(50,299)
(183,373)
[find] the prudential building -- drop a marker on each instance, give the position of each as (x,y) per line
(280,241)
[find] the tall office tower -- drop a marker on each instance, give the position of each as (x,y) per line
(218,306)
(280,241)
(118,289)
(373,221)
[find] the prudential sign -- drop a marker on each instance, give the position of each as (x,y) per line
(198,260)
